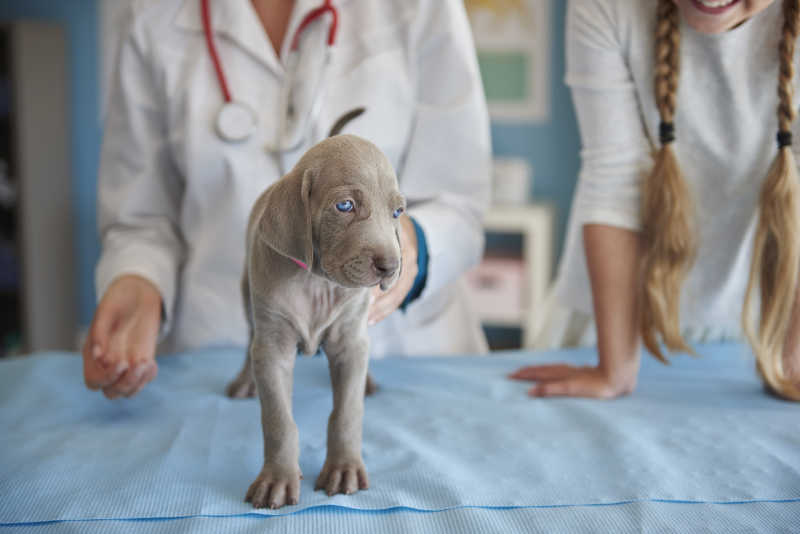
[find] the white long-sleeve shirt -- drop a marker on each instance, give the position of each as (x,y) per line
(174,198)
(725,126)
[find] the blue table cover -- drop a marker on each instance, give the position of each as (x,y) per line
(450,444)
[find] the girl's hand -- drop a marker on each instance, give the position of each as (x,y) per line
(790,389)
(119,352)
(567,380)
(791,366)
(385,302)
(613,257)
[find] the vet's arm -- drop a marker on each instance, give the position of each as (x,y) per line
(138,199)
(446,174)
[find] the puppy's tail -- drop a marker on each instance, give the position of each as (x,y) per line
(339,125)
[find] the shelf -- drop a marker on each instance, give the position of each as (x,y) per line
(503,323)
(523,286)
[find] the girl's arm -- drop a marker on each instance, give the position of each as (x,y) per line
(613,259)
(612,256)
(615,154)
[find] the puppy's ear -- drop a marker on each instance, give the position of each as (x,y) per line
(285,223)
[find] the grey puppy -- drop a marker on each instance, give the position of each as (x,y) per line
(317,240)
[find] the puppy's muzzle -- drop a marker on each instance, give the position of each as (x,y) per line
(385,267)
(386,270)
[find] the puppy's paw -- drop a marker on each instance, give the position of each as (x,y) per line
(342,477)
(241,387)
(275,487)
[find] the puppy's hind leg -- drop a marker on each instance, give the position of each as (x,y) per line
(243,385)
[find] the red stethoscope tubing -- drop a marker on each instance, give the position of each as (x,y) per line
(314,14)
(212,51)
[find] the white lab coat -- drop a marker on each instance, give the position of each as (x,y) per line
(174,198)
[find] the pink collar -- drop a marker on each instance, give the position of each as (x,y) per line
(299,264)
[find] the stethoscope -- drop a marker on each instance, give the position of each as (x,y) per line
(236,121)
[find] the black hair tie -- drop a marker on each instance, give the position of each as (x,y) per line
(784,138)
(666,132)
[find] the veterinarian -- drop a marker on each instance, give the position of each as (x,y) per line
(685,218)
(212,101)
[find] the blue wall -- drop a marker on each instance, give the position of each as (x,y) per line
(551,147)
(80,21)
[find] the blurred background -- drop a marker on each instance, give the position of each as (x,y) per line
(55,59)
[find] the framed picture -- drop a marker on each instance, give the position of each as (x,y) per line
(512,38)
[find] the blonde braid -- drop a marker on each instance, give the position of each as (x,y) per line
(776,251)
(668,236)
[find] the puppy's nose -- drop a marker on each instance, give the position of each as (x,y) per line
(385,267)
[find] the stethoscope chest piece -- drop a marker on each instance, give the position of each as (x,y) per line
(236,122)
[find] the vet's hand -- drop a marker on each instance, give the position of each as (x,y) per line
(562,380)
(119,353)
(385,302)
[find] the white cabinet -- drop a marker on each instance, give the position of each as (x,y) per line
(508,290)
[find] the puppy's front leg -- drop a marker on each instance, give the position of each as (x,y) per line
(344,470)
(272,356)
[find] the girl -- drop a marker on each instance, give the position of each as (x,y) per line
(681,230)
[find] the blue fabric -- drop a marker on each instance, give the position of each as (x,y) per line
(422,266)
(631,517)
(447,442)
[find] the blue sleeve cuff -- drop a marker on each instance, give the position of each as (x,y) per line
(422,266)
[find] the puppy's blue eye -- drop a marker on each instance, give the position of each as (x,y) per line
(345,206)
(396,213)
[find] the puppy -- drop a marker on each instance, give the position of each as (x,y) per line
(317,240)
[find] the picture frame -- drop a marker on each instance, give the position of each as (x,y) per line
(512,38)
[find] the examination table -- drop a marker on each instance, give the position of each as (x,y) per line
(451,445)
